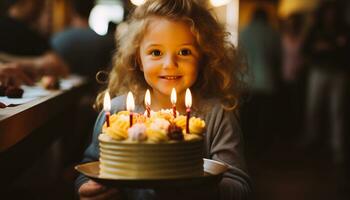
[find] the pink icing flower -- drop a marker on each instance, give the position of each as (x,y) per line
(137,132)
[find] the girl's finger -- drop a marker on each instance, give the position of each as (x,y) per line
(111,193)
(5,81)
(25,79)
(91,189)
(14,81)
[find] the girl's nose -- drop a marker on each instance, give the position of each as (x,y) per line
(169,61)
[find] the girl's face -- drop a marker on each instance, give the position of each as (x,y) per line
(169,56)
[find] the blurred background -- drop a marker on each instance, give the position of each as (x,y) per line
(294,112)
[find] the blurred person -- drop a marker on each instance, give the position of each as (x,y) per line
(19,36)
(12,75)
(292,40)
(37,66)
(86,52)
(262,45)
(80,46)
(293,72)
(327,49)
(21,42)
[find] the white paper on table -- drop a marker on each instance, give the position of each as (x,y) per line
(36,91)
(30,93)
(16,101)
(70,81)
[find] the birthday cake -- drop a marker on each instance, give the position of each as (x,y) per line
(154,147)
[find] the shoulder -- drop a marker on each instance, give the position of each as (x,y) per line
(67,35)
(211,105)
(212,108)
(75,33)
(118,103)
(215,114)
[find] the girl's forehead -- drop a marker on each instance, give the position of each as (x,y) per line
(161,28)
(168,39)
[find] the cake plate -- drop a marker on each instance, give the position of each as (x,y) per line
(212,174)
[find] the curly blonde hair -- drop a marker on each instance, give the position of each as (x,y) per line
(221,72)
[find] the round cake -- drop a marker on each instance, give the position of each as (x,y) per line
(154,147)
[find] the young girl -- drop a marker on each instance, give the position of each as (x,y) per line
(179,44)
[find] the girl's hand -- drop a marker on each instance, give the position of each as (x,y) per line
(12,75)
(95,191)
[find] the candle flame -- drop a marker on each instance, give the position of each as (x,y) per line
(148,98)
(173,96)
(107,102)
(130,103)
(188,98)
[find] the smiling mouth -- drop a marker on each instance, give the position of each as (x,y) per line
(170,77)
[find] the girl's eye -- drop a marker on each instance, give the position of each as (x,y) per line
(156,53)
(185,52)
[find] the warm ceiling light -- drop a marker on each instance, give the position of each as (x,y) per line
(217,3)
(102,14)
(138,2)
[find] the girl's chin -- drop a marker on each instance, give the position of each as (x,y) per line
(167,91)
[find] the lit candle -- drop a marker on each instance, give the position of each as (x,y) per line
(148,103)
(130,105)
(107,106)
(173,101)
(188,103)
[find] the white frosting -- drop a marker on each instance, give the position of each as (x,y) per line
(160,124)
(124,117)
(137,132)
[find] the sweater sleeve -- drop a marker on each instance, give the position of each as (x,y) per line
(92,152)
(224,144)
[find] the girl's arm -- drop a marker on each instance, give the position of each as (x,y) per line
(92,152)
(225,144)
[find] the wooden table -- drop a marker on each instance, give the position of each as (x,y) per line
(27,130)
(18,122)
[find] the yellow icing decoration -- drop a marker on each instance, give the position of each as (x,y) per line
(112,119)
(189,137)
(118,130)
(124,112)
(197,125)
(156,126)
(156,135)
(180,121)
(163,114)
